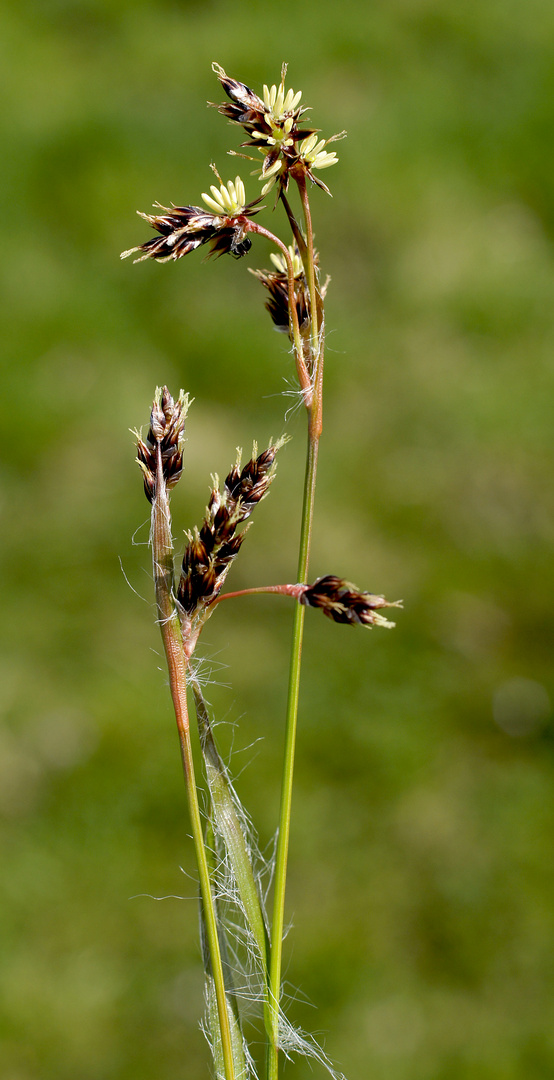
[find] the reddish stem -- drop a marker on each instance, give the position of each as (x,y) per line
(294,591)
(303,373)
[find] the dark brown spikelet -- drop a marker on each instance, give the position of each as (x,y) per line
(345,603)
(257,116)
(271,123)
(246,109)
(276,283)
(212,549)
(166,437)
(184,228)
(245,488)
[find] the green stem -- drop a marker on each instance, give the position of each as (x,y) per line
(314,407)
(281,858)
(228,827)
(162,550)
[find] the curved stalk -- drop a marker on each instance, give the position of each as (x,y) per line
(300,242)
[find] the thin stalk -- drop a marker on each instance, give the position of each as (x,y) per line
(162,549)
(295,591)
(316,421)
(300,242)
(239,1057)
(303,374)
(230,830)
(311,272)
(281,858)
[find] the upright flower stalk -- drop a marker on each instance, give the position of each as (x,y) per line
(228,878)
(313,405)
(161,460)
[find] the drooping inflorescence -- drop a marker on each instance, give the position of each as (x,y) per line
(277,284)
(184,228)
(289,149)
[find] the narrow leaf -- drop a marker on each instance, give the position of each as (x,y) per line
(227,823)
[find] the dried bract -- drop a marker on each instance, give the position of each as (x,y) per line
(345,603)
(164,442)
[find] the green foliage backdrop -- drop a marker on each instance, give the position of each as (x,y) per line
(421,878)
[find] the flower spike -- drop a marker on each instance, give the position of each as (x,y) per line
(166,436)
(345,603)
(213,548)
(223,225)
(276,282)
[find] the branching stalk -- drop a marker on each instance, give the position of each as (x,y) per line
(276,126)
(296,232)
(318,344)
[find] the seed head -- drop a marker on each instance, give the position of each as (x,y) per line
(345,603)
(166,438)
(213,548)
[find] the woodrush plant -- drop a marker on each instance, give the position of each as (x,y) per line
(239,939)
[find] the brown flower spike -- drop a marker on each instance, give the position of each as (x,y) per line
(184,228)
(345,603)
(166,438)
(211,550)
(276,283)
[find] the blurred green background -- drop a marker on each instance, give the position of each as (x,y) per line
(421,875)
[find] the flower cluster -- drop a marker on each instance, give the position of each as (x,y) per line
(211,550)
(345,603)
(276,282)
(164,442)
(183,228)
(273,124)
